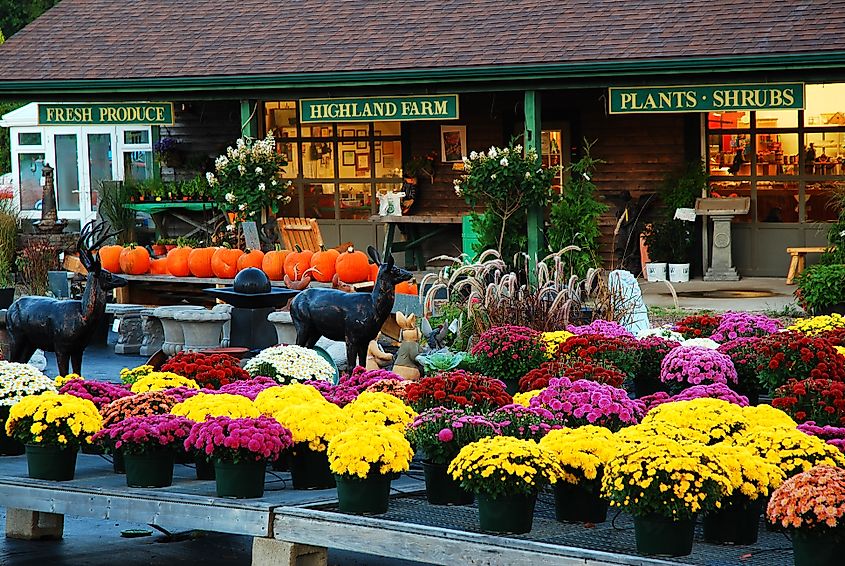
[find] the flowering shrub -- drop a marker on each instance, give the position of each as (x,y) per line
(249,388)
(98,392)
(130,376)
(208,405)
(621,351)
(504,465)
(395,387)
(20,380)
(594,370)
(457,389)
(159,380)
(249,439)
(364,450)
(744,325)
(290,364)
(275,398)
(210,371)
(314,423)
(698,325)
(609,329)
(685,366)
(553,340)
(441,433)
(582,452)
(654,475)
(508,352)
(380,409)
(787,355)
(149,403)
(247,179)
(818,324)
(530,423)
(142,435)
(743,354)
(582,402)
(833,435)
(813,500)
(53,418)
(790,449)
(818,400)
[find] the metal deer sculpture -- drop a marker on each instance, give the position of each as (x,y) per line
(64,327)
(355,318)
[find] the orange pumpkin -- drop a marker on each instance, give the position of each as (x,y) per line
(352,266)
(110,258)
(177,261)
(296,263)
(252,258)
(273,263)
(324,265)
(373,272)
(407,288)
(199,262)
(135,260)
(158,266)
(224,262)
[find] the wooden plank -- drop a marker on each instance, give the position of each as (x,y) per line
(430,544)
(808,250)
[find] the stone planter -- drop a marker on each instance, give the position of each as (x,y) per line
(127,326)
(153,333)
(285,330)
(227,326)
(202,329)
(174,338)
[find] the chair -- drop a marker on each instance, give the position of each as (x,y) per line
(302,232)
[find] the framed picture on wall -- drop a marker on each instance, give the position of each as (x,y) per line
(347,134)
(453,143)
(348,158)
(387,148)
(362,160)
(377,157)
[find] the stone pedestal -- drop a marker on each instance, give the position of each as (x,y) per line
(285,331)
(153,333)
(251,329)
(721,263)
(202,329)
(174,338)
(227,326)
(127,325)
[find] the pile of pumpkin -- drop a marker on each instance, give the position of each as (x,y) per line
(327,266)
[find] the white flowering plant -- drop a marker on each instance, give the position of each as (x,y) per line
(507,181)
(290,364)
(248,179)
(21,380)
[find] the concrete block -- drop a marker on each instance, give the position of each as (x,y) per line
(34,525)
(272,552)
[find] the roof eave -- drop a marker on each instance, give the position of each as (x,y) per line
(499,73)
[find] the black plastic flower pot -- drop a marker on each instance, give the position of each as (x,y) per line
(441,489)
(659,535)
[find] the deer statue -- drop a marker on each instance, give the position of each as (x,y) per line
(64,327)
(355,318)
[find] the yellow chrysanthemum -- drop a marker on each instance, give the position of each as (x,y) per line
(582,451)
(818,324)
(53,418)
(365,449)
(160,380)
(274,398)
(552,340)
(314,423)
(524,399)
(380,409)
(203,406)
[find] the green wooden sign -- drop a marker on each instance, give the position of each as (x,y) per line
(706,98)
(141,113)
(394,108)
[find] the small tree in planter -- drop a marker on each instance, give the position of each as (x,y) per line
(821,289)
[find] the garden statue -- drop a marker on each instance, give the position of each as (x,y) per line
(355,318)
(406,358)
(64,327)
(377,358)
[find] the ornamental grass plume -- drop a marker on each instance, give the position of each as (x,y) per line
(275,398)
(53,419)
(530,423)
(690,365)
(149,403)
(735,325)
(143,435)
(794,355)
(247,439)
(813,500)
(364,450)
(313,424)
(607,328)
(440,433)
(380,409)
(818,400)
(100,393)
(210,371)
(508,352)
(582,402)
(21,380)
(504,465)
(582,452)
(204,406)
(160,380)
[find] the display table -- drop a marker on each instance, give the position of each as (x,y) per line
(156,290)
(163,212)
(418,228)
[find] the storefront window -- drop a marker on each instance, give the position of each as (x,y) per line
(825,105)
(136,136)
(67,172)
(356,201)
(777,119)
(280,119)
(825,153)
(729,120)
(137,165)
(99,164)
(319,200)
(777,154)
(29,138)
(727,188)
(729,154)
(818,205)
(30,165)
(318,160)
(777,201)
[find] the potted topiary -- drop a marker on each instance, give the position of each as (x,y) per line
(821,289)
(656,236)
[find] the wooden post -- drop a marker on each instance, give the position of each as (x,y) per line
(249,118)
(533,140)
(155,137)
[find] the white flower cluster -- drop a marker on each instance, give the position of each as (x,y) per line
(702,343)
(292,364)
(19,380)
(661,331)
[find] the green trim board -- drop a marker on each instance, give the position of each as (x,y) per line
(142,113)
(803,63)
(706,98)
(154,207)
(371,109)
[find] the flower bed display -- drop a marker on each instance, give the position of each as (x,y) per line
(652,350)
(210,371)
(818,324)
(712,391)
(698,326)
(249,388)
(508,352)
(794,355)
(181,393)
(290,364)
(130,376)
(395,387)
(21,380)
(277,398)
(790,449)
(553,340)
(457,389)
(818,400)
(620,351)
(100,393)
(53,418)
(743,354)
(593,370)
(735,325)
(380,409)
(833,435)
(159,380)
(531,423)
(690,365)
(585,402)
(706,421)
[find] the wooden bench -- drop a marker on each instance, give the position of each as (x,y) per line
(799,256)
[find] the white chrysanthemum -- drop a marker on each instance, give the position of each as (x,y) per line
(702,343)
(273,182)
(493,176)
(241,169)
(473,155)
(19,380)
(492,152)
(292,364)
(661,331)
(242,207)
(518,149)
(259,170)
(528,174)
(211,179)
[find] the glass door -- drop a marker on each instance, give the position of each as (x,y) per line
(68,172)
(99,167)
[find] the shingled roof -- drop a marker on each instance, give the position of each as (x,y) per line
(156,39)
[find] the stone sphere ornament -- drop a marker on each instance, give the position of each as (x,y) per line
(251,281)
